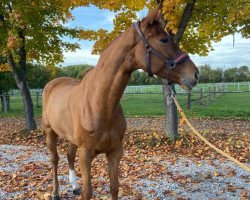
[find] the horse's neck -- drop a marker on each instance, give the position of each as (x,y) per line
(112,73)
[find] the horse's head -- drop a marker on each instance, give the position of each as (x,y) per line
(163,56)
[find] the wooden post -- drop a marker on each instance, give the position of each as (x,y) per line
(214,91)
(37,102)
(209,94)
(8,102)
(171,129)
(201,97)
(188,100)
(5,106)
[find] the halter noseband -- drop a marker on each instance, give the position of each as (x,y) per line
(171,64)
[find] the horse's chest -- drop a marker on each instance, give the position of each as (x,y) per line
(109,140)
(100,136)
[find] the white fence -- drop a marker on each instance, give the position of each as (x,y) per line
(229,87)
(156,89)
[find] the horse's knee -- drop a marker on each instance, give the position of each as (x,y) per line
(71,155)
(86,195)
(55,197)
(114,191)
(54,159)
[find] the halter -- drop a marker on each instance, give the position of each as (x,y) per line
(171,64)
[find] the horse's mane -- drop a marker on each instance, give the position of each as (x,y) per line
(111,44)
(84,72)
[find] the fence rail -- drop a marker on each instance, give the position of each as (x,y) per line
(202,94)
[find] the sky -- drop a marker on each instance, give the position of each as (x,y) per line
(224,54)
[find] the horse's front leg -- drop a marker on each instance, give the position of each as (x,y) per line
(114,158)
(71,155)
(86,157)
(51,140)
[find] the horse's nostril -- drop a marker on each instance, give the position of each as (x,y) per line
(196,75)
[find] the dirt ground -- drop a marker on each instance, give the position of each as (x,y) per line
(152,166)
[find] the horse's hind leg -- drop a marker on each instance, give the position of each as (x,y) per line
(51,143)
(71,154)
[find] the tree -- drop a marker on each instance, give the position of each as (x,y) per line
(217,75)
(38,75)
(230,74)
(75,71)
(6,80)
(193,24)
(243,73)
(205,74)
(32,30)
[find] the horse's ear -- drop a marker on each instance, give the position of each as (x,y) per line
(154,15)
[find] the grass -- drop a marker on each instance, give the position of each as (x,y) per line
(232,105)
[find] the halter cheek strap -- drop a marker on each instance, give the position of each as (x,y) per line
(171,64)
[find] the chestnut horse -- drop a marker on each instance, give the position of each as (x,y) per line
(88,113)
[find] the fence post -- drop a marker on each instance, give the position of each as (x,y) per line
(8,102)
(214,91)
(37,96)
(238,86)
(171,129)
(189,101)
(209,94)
(5,106)
(201,97)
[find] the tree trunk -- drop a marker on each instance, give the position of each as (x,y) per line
(22,86)
(2,106)
(171,129)
(19,74)
(184,20)
(28,107)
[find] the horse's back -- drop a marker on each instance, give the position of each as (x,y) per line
(55,101)
(60,83)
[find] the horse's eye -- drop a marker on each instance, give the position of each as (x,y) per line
(164,40)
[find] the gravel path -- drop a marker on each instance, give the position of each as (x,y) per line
(184,179)
(25,168)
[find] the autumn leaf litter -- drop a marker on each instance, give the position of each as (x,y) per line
(152,166)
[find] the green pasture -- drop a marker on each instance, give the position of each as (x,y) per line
(231,105)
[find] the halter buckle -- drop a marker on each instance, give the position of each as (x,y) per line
(148,48)
(172,64)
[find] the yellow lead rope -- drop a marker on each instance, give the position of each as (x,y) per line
(184,118)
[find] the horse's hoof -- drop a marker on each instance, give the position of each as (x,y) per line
(55,197)
(77,191)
